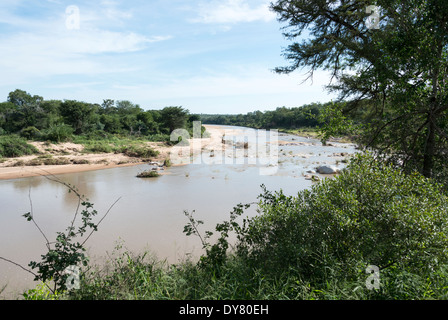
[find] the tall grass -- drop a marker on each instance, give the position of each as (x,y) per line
(142,277)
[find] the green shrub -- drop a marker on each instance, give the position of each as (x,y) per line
(59,133)
(167,163)
(30,133)
(99,147)
(159,137)
(98,135)
(139,152)
(14,146)
(148,174)
(50,161)
(371,214)
(41,292)
(80,161)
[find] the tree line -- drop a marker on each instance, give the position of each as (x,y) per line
(33,117)
(322,118)
(280,118)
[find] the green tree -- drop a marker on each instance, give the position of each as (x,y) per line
(174,118)
(52,115)
(400,69)
(79,115)
(58,133)
(129,123)
(112,123)
(108,106)
(27,111)
(148,121)
(6,109)
(22,98)
(126,107)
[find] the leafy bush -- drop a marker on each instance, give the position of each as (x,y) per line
(80,161)
(59,133)
(99,147)
(14,146)
(47,161)
(41,292)
(31,133)
(66,251)
(372,214)
(139,152)
(148,174)
(167,163)
(98,135)
(159,137)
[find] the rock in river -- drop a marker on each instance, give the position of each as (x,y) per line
(327,170)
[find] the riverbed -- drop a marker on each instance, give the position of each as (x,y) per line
(150,213)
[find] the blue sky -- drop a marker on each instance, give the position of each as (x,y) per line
(208,56)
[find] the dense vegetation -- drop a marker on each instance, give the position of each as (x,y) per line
(315,245)
(32,117)
(281,118)
(322,120)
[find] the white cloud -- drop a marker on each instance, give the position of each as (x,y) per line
(239,90)
(111,11)
(75,85)
(44,48)
(101,41)
(255,82)
(233,11)
(29,54)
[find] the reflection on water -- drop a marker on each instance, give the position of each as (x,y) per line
(150,214)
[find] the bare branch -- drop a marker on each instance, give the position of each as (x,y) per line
(110,208)
(18,265)
(34,221)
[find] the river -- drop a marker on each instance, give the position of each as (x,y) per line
(150,213)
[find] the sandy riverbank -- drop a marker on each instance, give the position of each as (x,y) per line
(71,159)
(77,161)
